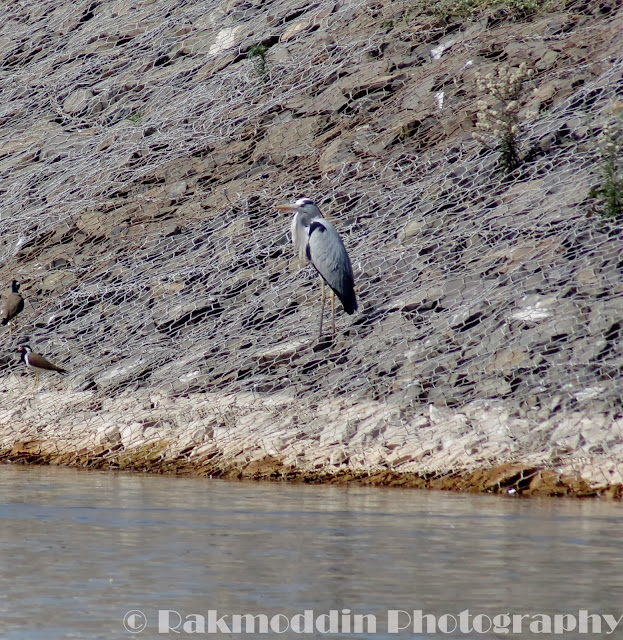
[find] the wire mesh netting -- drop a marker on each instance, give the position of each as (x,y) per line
(144,147)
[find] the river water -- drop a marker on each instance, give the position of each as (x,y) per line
(88,554)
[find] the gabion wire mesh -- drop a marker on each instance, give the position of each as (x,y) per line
(144,146)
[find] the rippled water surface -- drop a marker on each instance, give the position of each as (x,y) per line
(79,550)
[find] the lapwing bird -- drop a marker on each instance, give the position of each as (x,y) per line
(12,305)
(315,239)
(37,363)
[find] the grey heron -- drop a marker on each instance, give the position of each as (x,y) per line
(316,240)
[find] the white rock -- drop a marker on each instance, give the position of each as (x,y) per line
(227,38)
(77,101)
(338,456)
(132,434)
(108,434)
(338,433)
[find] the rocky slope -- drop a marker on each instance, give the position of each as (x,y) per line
(143,148)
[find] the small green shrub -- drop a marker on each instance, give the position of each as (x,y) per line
(609,194)
(497,116)
(136,117)
(522,9)
(518,9)
(258,51)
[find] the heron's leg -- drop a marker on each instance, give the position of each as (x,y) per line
(322,297)
(333,311)
(34,386)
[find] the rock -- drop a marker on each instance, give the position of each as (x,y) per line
(331,100)
(507,359)
(123,373)
(548,60)
(337,433)
(228,38)
(289,140)
(294,29)
(336,155)
(281,353)
(132,435)
(493,387)
(78,101)
(58,280)
(338,457)
(411,229)
(160,289)
(186,314)
(177,190)
(63,145)
(534,308)
(108,434)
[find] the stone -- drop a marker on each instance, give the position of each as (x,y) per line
(132,435)
(289,140)
(331,100)
(336,156)
(281,353)
(493,387)
(410,230)
(63,145)
(78,101)
(108,434)
(548,60)
(58,280)
(295,29)
(185,314)
(177,190)
(122,373)
(228,38)
(337,433)
(507,359)
(338,457)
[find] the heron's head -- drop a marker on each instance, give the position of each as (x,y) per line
(15,285)
(306,205)
(305,210)
(24,349)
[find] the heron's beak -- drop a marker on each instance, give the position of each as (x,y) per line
(286,207)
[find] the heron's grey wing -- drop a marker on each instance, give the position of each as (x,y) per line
(299,233)
(327,253)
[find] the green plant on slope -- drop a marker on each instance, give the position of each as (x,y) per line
(518,9)
(522,9)
(609,194)
(258,51)
(136,118)
(497,116)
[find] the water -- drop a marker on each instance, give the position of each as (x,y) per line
(79,550)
